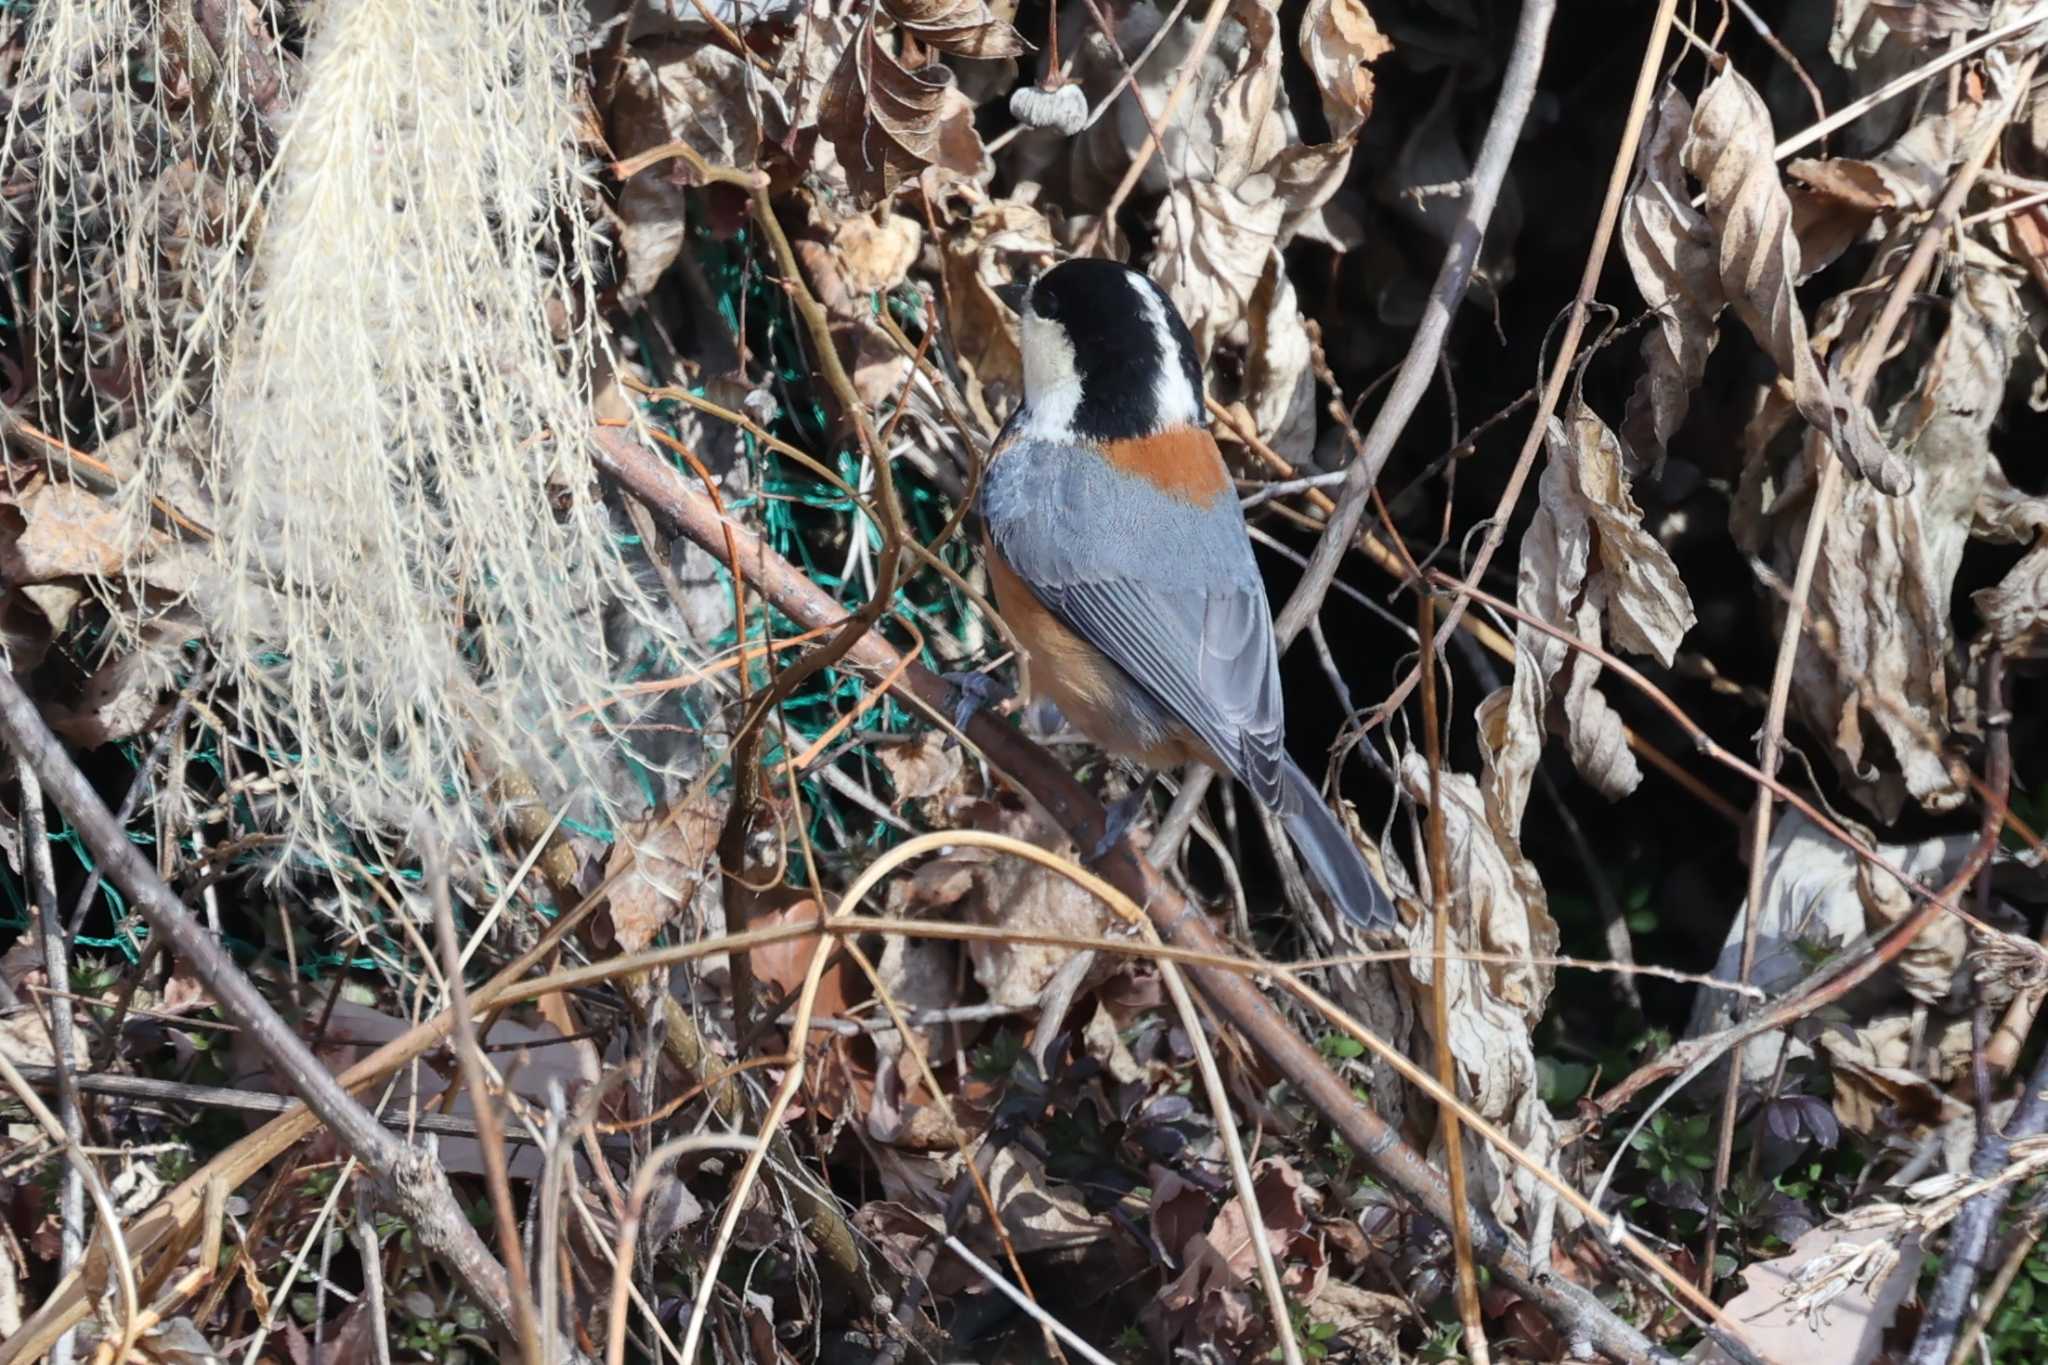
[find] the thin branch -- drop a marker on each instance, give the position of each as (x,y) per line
(1418,368)
(1440,999)
(475,1077)
(57,1017)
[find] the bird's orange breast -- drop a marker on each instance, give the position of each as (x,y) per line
(1056,660)
(1181,462)
(1091,691)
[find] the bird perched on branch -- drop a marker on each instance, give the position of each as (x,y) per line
(1119,558)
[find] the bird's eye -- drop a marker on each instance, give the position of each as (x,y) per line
(1045,304)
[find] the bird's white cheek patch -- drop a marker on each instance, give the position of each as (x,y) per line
(1052,384)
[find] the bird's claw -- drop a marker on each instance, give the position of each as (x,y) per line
(1116,822)
(971,693)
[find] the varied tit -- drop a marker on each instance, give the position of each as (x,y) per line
(1120,559)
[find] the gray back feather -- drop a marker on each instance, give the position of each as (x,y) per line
(1168,591)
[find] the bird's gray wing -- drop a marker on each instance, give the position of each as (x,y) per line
(1168,591)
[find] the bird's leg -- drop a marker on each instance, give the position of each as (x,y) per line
(971,693)
(1118,818)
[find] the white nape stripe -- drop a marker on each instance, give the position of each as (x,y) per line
(1173,401)
(1052,384)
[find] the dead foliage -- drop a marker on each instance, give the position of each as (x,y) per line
(308,313)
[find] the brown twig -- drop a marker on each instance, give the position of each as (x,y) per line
(475,1076)
(1440,1000)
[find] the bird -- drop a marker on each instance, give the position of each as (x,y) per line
(1120,561)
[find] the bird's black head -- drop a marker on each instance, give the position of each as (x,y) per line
(1106,355)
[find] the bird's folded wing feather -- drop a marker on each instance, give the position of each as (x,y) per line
(1167,590)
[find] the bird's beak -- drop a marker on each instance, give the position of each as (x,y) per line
(1012,294)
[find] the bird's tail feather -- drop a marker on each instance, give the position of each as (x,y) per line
(1333,862)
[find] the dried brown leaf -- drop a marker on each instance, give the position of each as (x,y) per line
(1041,1214)
(1670,248)
(923,767)
(695,93)
(888,122)
(674,863)
(1497,906)
(1883,1101)
(65,531)
(1647,608)
(123,696)
(1594,732)
(1875,675)
(1842,195)
(1179,1211)
(966,28)
(1339,40)
(1730,153)
(1587,565)
(1213,249)
(1918,21)
(1214,1303)
(1027,897)
(988,244)
(2015,610)
(876,255)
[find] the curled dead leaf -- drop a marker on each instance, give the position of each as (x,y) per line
(1497,905)
(1587,565)
(1024,896)
(1215,1302)
(1875,674)
(1879,1100)
(1730,152)
(60,530)
(874,254)
(1670,248)
(1340,41)
(783,966)
(887,121)
(922,768)
(966,28)
(1918,21)
(988,244)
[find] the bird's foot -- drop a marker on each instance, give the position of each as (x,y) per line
(972,692)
